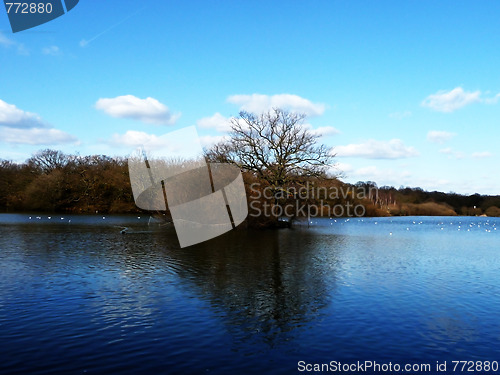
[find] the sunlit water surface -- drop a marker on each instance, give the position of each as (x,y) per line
(76,296)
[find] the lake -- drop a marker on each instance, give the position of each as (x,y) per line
(76,296)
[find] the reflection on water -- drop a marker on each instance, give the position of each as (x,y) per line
(80,296)
(266,292)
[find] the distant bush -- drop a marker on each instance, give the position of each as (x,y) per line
(424,209)
(493,211)
(372,210)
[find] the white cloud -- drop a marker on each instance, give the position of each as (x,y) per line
(181,143)
(449,101)
(147,110)
(324,131)
(343,168)
(36,136)
(7,42)
(217,122)
(373,173)
(493,100)
(52,51)
(4,41)
(400,115)
(21,127)
(438,136)
(223,124)
(373,149)
(133,138)
(13,117)
(383,177)
(452,153)
(447,151)
(482,155)
(367,171)
(209,140)
(257,103)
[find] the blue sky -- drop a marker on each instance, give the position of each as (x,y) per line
(406,91)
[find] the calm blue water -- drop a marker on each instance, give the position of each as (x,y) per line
(79,297)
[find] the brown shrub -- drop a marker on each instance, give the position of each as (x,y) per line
(425,209)
(493,211)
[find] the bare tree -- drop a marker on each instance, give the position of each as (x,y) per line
(275,146)
(45,161)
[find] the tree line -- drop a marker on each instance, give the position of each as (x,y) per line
(282,162)
(416,201)
(52,181)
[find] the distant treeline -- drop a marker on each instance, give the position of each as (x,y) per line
(407,201)
(56,182)
(52,181)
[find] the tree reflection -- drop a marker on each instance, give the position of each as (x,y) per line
(264,286)
(268,283)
